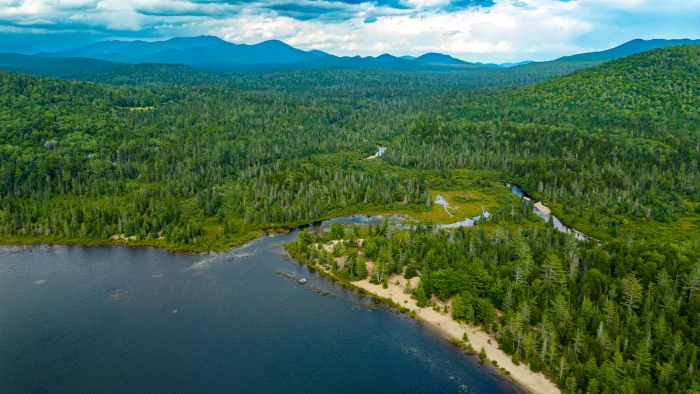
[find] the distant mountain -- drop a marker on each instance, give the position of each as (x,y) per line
(385,61)
(388,58)
(505,65)
(213,53)
(439,58)
(203,52)
(626,49)
(18,48)
(67,68)
(509,65)
(319,53)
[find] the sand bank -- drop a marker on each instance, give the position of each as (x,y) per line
(531,381)
(521,374)
(543,208)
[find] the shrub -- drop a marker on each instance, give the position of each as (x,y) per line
(516,359)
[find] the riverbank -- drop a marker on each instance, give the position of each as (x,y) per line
(394,295)
(211,243)
(7,240)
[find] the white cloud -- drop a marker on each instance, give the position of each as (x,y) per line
(507,31)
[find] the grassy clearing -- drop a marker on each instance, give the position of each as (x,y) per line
(463,203)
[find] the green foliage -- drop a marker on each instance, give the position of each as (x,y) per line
(76,163)
(614,149)
(199,161)
(593,316)
(421,297)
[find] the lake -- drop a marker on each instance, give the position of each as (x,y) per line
(120,319)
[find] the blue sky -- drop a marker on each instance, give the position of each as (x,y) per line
(473,30)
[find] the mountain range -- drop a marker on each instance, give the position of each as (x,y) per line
(213,53)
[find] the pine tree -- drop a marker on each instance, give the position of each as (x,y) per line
(422,299)
(552,270)
(593,387)
(361,268)
(632,291)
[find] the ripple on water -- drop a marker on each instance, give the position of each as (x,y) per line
(102,323)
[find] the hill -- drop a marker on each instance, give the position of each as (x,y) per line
(626,49)
(212,53)
(612,135)
(319,53)
(17,48)
(640,92)
(67,68)
(203,52)
(580,61)
(440,59)
(505,65)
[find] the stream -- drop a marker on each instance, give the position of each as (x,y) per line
(538,208)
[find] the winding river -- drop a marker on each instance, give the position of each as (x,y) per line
(538,208)
(542,211)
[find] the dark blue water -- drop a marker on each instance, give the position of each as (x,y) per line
(119,319)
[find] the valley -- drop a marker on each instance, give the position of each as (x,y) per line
(589,284)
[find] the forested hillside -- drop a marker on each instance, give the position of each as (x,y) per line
(299,79)
(612,146)
(623,317)
(86,161)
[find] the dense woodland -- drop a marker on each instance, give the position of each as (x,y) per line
(612,146)
(614,318)
(201,161)
(77,164)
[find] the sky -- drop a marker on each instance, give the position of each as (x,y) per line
(472,30)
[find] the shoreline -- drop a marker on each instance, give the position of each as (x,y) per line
(248,236)
(393,296)
(522,375)
(532,382)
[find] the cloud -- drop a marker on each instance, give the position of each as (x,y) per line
(304,12)
(370,19)
(462,4)
(475,30)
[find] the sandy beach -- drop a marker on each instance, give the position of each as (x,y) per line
(531,381)
(543,208)
(521,374)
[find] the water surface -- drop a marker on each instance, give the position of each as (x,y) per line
(120,319)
